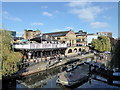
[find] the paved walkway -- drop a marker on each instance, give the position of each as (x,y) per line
(44,65)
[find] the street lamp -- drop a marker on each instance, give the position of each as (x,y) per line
(41,37)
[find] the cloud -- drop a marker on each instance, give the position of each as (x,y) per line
(8,16)
(47,14)
(99,24)
(57,30)
(56,11)
(69,28)
(50,14)
(85,10)
(79,4)
(37,24)
(107,17)
(14,19)
(63,29)
(20,33)
(5,12)
(44,7)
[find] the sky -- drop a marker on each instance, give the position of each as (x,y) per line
(91,17)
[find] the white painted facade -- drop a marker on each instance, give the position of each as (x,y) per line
(90,37)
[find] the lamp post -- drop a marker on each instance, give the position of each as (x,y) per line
(41,38)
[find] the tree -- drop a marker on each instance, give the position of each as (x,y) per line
(115,61)
(102,43)
(9,57)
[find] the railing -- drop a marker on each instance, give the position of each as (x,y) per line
(39,46)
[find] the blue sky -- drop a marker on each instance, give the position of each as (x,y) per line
(91,17)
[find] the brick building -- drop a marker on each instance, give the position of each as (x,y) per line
(81,38)
(29,34)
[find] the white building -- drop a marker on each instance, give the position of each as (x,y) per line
(90,37)
(108,34)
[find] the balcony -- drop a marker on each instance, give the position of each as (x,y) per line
(39,46)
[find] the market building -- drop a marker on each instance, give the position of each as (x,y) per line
(50,45)
(68,37)
(42,47)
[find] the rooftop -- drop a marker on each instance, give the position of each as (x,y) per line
(62,33)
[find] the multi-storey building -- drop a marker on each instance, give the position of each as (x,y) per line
(81,38)
(41,47)
(108,34)
(48,45)
(29,34)
(68,37)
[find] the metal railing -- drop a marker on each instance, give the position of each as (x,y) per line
(39,46)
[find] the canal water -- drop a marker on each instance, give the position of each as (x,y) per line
(47,79)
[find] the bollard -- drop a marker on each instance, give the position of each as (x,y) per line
(110,78)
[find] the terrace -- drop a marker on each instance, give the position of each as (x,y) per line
(39,46)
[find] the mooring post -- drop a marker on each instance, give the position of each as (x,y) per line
(110,77)
(95,72)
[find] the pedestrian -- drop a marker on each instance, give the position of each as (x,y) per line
(70,74)
(89,80)
(49,62)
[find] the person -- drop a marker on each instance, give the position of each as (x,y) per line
(70,74)
(45,59)
(89,80)
(49,62)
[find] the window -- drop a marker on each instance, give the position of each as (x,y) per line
(78,40)
(83,40)
(75,50)
(70,51)
(63,41)
(79,49)
(58,38)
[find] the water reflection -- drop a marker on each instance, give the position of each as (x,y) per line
(47,79)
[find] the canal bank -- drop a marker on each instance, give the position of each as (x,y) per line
(47,79)
(45,66)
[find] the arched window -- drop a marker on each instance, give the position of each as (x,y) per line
(75,50)
(70,51)
(79,49)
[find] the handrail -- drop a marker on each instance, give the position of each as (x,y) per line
(39,46)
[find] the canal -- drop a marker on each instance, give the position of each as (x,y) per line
(47,79)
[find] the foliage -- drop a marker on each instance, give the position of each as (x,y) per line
(115,62)
(102,43)
(9,57)
(83,50)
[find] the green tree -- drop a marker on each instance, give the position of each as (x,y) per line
(9,57)
(101,44)
(115,61)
